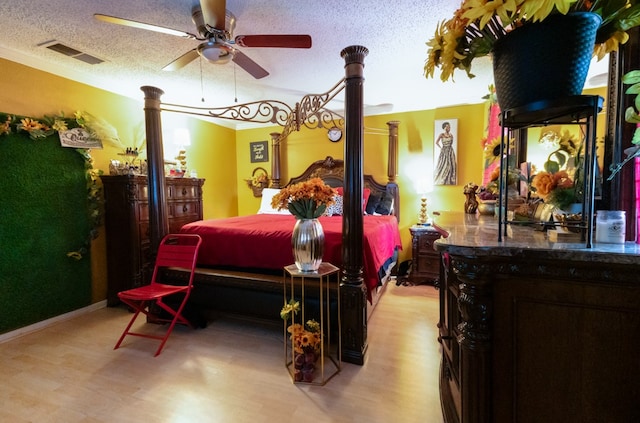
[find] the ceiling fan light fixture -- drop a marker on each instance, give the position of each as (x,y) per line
(214,52)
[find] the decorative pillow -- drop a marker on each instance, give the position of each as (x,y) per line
(366,192)
(336,208)
(265,202)
(373,203)
(385,206)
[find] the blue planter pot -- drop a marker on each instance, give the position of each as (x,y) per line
(545,60)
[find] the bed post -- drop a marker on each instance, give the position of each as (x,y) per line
(158,218)
(275,160)
(353,302)
(392,165)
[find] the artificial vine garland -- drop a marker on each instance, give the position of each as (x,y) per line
(38,129)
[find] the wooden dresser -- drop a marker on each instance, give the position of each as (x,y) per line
(536,331)
(425,266)
(129,261)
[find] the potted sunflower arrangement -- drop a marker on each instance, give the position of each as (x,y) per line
(559,35)
(305,340)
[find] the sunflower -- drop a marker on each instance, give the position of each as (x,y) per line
(492,150)
(477,24)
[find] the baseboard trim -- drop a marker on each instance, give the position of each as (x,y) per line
(5,337)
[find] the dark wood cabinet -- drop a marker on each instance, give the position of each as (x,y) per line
(532,333)
(450,319)
(129,258)
(425,266)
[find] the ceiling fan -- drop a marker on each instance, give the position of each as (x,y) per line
(215,26)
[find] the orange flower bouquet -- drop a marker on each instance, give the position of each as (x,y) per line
(560,182)
(305,200)
(555,188)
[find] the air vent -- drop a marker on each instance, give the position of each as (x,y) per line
(61,48)
(71,52)
(87,58)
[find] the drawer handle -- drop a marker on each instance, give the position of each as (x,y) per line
(184,191)
(185,208)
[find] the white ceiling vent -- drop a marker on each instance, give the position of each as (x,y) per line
(71,52)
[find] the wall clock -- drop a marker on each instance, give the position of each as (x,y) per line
(334,134)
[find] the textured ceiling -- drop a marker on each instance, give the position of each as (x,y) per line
(394,32)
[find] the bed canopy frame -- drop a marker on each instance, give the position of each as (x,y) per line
(311,113)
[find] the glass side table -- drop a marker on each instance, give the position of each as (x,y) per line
(312,351)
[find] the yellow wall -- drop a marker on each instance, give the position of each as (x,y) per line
(29,92)
(221,155)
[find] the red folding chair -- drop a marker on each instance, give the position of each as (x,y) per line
(175,250)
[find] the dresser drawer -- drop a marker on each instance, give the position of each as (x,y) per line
(142,192)
(183,209)
(427,264)
(183,192)
(143,211)
(425,243)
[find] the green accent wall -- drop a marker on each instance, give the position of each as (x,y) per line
(43,217)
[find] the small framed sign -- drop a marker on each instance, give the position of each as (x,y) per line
(259,151)
(78,138)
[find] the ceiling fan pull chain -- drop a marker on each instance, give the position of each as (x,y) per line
(235,84)
(201,80)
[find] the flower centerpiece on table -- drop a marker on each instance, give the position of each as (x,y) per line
(306,341)
(478,24)
(560,184)
(305,200)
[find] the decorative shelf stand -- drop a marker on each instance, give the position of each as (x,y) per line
(319,296)
(575,110)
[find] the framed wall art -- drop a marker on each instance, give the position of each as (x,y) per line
(259,151)
(445,152)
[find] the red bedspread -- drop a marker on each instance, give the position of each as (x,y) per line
(264,241)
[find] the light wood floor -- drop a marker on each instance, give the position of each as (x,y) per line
(231,371)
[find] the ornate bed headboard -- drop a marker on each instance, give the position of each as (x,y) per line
(331,171)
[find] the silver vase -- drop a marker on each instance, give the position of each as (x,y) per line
(307,243)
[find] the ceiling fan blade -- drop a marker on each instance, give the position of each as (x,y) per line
(142,25)
(182,61)
(214,13)
(249,65)
(282,41)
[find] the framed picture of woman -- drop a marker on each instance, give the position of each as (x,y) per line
(445,152)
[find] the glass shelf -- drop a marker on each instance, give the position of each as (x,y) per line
(575,110)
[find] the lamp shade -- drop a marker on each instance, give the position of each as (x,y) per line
(181,137)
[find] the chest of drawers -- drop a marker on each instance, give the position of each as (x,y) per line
(129,261)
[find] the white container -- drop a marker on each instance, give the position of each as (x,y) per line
(611,226)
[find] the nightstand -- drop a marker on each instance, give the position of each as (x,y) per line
(425,265)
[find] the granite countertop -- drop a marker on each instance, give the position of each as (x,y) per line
(477,235)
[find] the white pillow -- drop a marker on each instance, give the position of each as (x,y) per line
(265,203)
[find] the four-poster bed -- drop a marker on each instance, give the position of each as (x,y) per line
(248,288)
